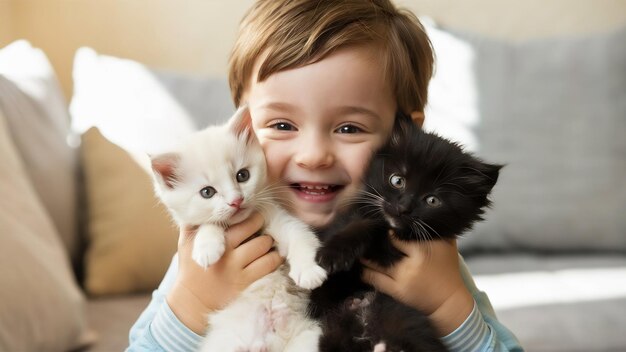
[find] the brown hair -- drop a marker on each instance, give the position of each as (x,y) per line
(293,33)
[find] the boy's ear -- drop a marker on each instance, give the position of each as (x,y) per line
(164,167)
(241,124)
(418,118)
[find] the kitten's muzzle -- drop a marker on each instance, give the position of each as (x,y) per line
(236,203)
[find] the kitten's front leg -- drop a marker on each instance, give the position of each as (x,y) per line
(344,248)
(208,245)
(298,244)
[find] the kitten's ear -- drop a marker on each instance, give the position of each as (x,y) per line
(164,167)
(241,124)
(485,175)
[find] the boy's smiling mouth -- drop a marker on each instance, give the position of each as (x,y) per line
(316,192)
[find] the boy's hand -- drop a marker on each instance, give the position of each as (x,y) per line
(197,291)
(427,279)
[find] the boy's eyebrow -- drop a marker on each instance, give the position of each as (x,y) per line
(275,105)
(343,110)
(348,110)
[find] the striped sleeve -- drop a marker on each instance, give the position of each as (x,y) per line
(473,335)
(171,334)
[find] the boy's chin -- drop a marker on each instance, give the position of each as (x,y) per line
(313,219)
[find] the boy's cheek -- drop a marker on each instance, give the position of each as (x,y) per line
(274,160)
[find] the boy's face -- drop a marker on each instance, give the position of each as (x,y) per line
(319,125)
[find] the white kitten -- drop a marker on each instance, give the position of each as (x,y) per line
(216,179)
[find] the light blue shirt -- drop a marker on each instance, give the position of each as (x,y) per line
(158,329)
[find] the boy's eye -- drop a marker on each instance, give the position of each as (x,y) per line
(283,126)
(348,129)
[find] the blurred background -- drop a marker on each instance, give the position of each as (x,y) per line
(87,87)
(195,36)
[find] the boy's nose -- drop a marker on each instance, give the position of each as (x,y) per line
(315,152)
(314,157)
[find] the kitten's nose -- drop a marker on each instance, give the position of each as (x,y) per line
(236,203)
(404,205)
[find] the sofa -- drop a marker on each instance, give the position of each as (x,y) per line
(83,240)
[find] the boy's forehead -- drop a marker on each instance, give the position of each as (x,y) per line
(369,53)
(351,74)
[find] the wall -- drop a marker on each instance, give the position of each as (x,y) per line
(196,35)
(6,22)
(522,20)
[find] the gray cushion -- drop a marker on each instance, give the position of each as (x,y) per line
(37,116)
(41,306)
(112,318)
(557,302)
(554,111)
(206,99)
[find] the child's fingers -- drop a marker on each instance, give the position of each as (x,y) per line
(262,266)
(423,248)
(380,269)
(188,230)
(381,281)
(405,247)
(238,233)
(252,250)
(185,236)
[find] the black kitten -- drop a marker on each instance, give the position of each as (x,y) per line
(422,187)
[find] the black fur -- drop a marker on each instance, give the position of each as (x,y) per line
(428,166)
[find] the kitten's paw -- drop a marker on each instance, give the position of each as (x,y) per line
(207,251)
(258,347)
(309,277)
(334,260)
(380,347)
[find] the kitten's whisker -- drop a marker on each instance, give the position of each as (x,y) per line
(373,211)
(474,169)
(424,237)
(433,230)
(455,185)
(422,233)
(367,194)
(370,186)
(188,240)
(462,194)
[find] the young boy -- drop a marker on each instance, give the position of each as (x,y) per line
(323,80)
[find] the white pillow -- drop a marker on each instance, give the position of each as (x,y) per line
(452,110)
(127,103)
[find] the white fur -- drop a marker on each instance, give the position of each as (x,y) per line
(270,315)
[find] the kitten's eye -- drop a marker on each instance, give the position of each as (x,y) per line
(397,181)
(433,201)
(283,126)
(243,175)
(207,192)
(348,129)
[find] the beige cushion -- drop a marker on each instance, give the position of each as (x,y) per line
(131,238)
(41,306)
(38,121)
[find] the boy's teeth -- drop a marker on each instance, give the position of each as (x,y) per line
(314,187)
